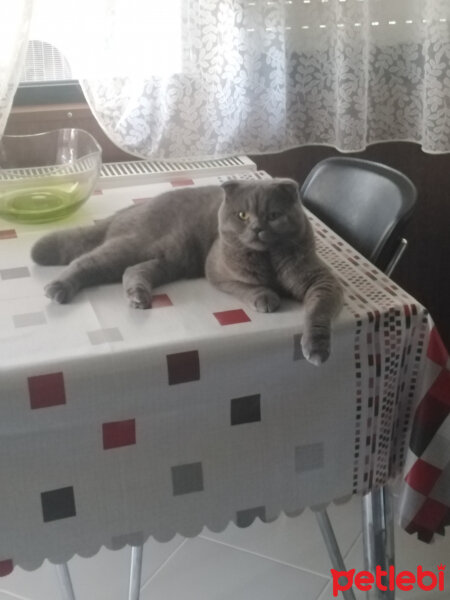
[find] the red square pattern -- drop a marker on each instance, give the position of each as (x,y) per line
(232,317)
(431,515)
(436,350)
(6,567)
(441,388)
(161,300)
(422,477)
(181,181)
(8,234)
(119,433)
(46,390)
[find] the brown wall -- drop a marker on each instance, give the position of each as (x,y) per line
(424,269)
(36,119)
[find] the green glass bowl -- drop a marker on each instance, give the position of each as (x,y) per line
(47,176)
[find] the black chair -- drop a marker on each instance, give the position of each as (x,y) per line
(366,203)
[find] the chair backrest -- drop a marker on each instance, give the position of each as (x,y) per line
(365,202)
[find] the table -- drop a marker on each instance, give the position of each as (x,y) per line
(117,424)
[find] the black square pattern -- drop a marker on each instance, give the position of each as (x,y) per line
(244,518)
(298,352)
(58,504)
(132,539)
(183,367)
(246,409)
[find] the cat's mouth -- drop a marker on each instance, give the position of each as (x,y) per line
(259,241)
(264,237)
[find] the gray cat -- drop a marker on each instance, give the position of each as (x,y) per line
(251,239)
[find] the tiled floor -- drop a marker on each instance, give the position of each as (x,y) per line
(284,560)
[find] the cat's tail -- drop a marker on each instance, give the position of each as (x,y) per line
(61,247)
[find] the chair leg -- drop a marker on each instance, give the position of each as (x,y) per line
(135,572)
(378,538)
(397,256)
(65,582)
(332,546)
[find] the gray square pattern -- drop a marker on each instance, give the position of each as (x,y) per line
(441,489)
(298,353)
(187,479)
(29,319)
(132,539)
(309,457)
(244,518)
(437,453)
(103,336)
(15,273)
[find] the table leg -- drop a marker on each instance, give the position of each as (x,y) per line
(332,546)
(378,538)
(65,582)
(135,572)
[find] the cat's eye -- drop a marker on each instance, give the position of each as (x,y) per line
(273,216)
(243,215)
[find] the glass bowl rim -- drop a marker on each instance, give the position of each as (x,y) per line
(91,138)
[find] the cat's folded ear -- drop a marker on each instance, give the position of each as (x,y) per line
(231,187)
(289,187)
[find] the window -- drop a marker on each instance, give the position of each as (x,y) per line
(56,59)
(44,62)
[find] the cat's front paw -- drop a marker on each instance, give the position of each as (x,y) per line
(266,302)
(139,297)
(316,347)
(60,291)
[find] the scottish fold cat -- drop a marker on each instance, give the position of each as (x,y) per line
(251,239)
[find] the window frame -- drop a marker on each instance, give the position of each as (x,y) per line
(38,93)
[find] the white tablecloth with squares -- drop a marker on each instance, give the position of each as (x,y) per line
(118,424)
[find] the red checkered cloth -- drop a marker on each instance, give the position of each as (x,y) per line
(425,503)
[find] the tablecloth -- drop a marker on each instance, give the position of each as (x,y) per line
(425,501)
(117,424)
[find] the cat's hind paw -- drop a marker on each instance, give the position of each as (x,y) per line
(139,297)
(267,302)
(59,291)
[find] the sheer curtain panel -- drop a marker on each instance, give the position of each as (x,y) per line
(15,18)
(201,78)
(257,76)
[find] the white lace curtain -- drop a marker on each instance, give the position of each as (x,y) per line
(15,18)
(201,78)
